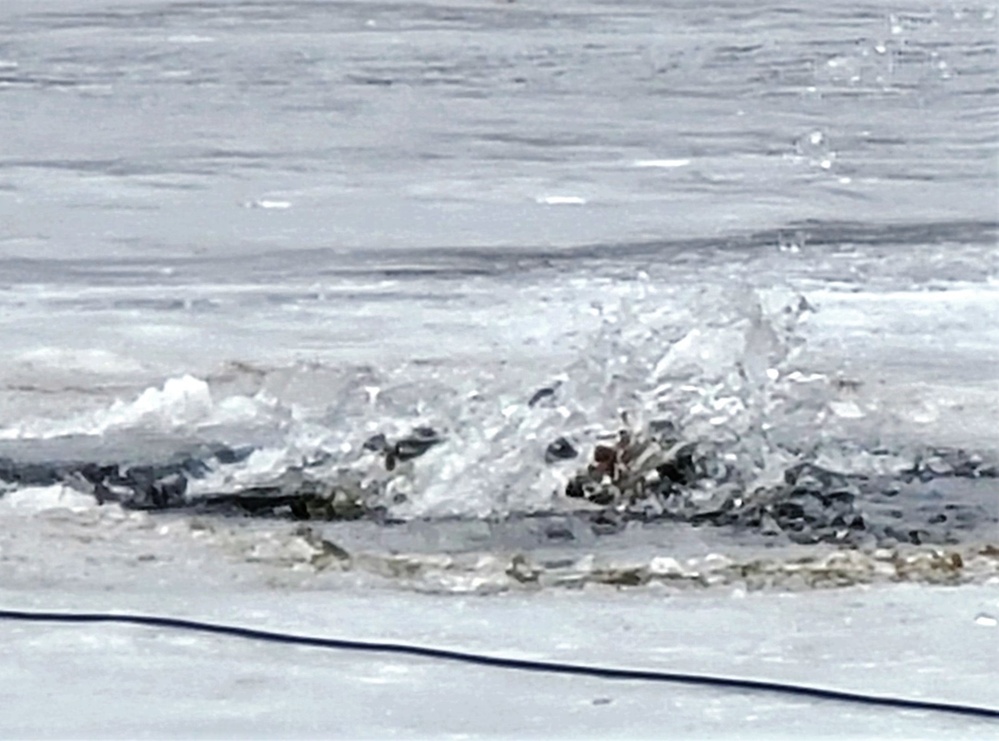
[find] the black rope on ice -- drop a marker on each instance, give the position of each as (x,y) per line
(501,662)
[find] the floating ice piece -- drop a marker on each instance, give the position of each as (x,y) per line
(183,400)
(561,200)
(268,203)
(190,38)
(42,498)
(666,566)
(662,163)
(799,377)
(985,620)
(846,409)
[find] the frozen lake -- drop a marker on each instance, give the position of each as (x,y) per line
(500,298)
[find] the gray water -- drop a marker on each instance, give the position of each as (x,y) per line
(286,227)
(140,130)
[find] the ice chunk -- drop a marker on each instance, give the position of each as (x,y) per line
(268,203)
(662,163)
(561,200)
(42,498)
(184,400)
(846,409)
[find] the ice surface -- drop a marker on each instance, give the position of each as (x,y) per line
(238,241)
(916,642)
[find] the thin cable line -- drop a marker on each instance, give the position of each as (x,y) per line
(502,662)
